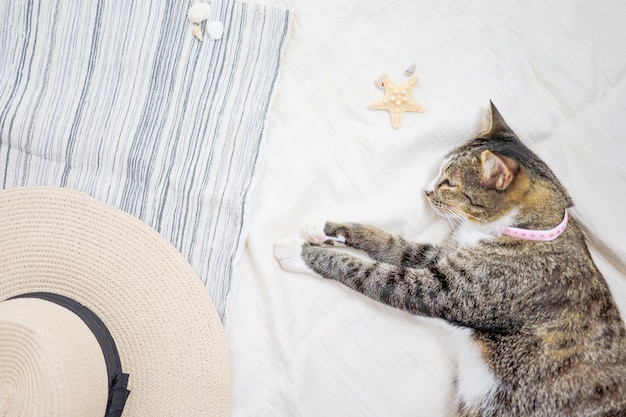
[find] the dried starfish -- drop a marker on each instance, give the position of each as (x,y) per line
(397,99)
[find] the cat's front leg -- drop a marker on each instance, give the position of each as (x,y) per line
(416,291)
(422,291)
(288,252)
(377,243)
(317,233)
(328,263)
(299,255)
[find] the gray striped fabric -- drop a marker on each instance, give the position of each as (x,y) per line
(118,99)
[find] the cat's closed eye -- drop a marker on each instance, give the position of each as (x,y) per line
(447,183)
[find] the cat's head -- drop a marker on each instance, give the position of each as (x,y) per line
(493,175)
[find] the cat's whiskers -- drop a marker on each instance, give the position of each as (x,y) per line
(453,215)
(450,218)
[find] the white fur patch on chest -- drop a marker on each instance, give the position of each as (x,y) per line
(476,383)
(469,234)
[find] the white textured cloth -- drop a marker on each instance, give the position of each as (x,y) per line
(303,346)
(119,100)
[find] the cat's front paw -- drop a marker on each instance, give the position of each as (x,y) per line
(288,252)
(314,233)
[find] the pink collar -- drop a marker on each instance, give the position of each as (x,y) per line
(537,234)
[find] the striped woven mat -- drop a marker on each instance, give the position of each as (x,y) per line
(119,100)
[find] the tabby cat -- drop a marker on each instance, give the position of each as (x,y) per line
(515,278)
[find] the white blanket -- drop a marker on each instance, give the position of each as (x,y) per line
(302,346)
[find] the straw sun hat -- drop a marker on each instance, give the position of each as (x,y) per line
(92,298)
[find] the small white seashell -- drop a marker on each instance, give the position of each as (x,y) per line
(215,30)
(197,32)
(378,82)
(410,70)
(198,13)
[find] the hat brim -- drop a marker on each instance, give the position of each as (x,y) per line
(167,330)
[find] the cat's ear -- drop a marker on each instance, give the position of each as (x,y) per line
(498,125)
(498,171)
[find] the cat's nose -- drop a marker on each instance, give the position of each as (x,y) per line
(428,192)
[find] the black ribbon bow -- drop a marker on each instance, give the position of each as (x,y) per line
(118,394)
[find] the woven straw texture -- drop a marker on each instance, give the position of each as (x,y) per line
(49,354)
(167,329)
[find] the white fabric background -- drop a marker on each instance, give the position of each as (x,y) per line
(302,346)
